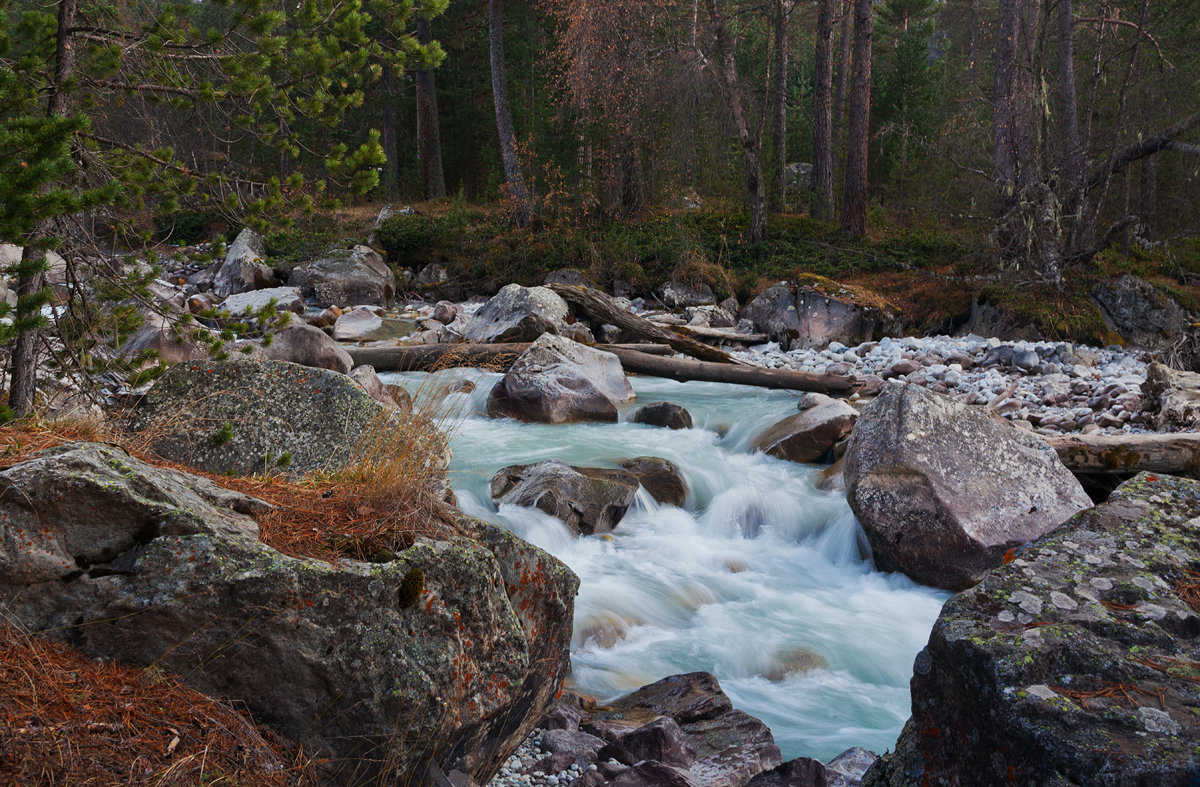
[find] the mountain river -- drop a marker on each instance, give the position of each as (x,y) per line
(758,579)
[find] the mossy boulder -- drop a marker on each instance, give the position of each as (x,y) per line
(244,417)
(380,677)
(1076,662)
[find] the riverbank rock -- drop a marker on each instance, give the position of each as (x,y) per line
(1075,663)
(357,325)
(244,268)
(1141,313)
(680,295)
(943,491)
(517,314)
(1175,396)
(303,344)
(810,435)
(265,416)
(845,770)
(445,655)
(660,477)
(557,380)
(587,499)
(164,335)
(819,311)
(347,277)
(672,416)
(287,299)
(773,312)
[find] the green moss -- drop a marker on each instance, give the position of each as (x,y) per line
(222,436)
(411,588)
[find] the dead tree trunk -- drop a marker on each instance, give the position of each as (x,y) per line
(779,106)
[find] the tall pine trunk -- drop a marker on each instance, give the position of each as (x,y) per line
(822,173)
(779,106)
(428,133)
(387,133)
(854,202)
(518,192)
(1071,166)
(31,278)
(751,141)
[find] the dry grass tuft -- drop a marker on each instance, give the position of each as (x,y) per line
(1188,589)
(1116,692)
(65,719)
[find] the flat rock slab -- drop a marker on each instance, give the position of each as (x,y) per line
(1077,662)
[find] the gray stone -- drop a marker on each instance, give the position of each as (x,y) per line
(245,416)
(850,317)
(244,268)
(287,299)
(587,499)
(660,477)
(773,312)
(810,435)
(1141,313)
(357,325)
(557,380)
(672,416)
(678,294)
(301,343)
(943,491)
(661,740)
(518,314)
(170,339)
(347,277)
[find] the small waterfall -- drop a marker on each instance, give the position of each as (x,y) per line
(760,578)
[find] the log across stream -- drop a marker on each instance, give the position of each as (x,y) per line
(758,578)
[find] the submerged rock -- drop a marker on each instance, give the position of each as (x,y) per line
(1075,663)
(810,435)
(943,491)
(557,380)
(587,499)
(660,477)
(374,675)
(672,416)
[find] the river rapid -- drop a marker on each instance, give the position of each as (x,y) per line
(759,578)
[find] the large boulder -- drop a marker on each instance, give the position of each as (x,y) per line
(301,343)
(518,314)
(1175,395)
(347,277)
(1075,663)
(557,380)
(587,499)
(1140,313)
(680,294)
(357,325)
(257,416)
(672,416)
(171,340)
(819,311)
(943,491)
(773,312)
(810,435)
(441,657)
(243,269)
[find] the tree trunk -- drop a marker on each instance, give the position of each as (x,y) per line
(518,192)
(843,67)
(854,202)
(1148,199)
(388,138)
(973,53)
(1072,148)
(751,141)
(31,279)
(779,106)
(822,172)
(427,123)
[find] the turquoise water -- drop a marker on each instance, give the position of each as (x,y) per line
(757,579)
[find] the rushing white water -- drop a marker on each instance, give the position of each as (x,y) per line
(757,579)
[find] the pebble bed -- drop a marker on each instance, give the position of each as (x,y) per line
(1059,387)
(522,769)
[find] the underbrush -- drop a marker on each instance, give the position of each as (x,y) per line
(66,719)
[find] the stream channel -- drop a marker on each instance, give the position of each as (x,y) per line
(758,579)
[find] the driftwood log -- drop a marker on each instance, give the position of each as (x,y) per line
(636,358)
(432,357)
(1171,453)
(600,307)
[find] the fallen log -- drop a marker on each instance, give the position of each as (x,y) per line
(1172,453)
(602,308)
(722,334)
(432,357)
(685,369)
